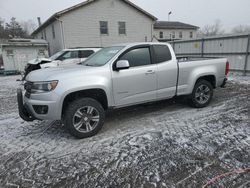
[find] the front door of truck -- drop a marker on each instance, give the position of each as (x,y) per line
(137,83)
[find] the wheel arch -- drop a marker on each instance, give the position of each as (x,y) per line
(210,78)
(95,93)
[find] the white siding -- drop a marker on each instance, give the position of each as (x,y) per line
(55,44)
(21,55)
(167,32)
(81,26)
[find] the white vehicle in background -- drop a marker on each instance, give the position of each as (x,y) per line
(62,58)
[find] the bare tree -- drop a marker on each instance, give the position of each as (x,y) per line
(14,29)
(28,26)
(212,30)
(2,29)
(241,29)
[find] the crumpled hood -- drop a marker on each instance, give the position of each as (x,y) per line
(39,60)
(59,73)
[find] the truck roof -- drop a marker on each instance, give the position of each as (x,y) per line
(139,43)
(74,49)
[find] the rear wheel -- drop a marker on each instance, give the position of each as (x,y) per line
(202,94)
(84,117)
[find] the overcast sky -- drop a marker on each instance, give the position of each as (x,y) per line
(196,12)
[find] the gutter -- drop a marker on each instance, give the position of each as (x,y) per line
(62,31)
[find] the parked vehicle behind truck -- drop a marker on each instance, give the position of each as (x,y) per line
(117,76)
(66,57)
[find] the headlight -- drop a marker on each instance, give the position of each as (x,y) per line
(41,87)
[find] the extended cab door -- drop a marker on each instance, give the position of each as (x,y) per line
(167,71)
(137,83)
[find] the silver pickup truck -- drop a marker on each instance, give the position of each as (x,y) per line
(117,76)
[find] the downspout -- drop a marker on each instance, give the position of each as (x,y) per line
(62,31)
(152,31)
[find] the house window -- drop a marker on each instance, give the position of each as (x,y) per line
(10,52)
(122,28)
(173,35)
(45,36)
(161,35)
(104,28)
(53,32)
(191,34)
(180,34)
(41,52)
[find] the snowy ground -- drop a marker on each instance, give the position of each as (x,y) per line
(165,144)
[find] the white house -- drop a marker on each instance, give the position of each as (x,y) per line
(97,23)
(167,31)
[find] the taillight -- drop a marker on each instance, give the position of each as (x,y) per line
(227,68)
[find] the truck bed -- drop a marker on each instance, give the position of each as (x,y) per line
(191,68)
(193,58)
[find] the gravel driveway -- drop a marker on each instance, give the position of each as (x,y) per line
(165,144)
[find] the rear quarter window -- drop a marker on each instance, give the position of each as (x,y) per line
(162,53)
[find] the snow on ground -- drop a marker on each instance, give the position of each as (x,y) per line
(164,144)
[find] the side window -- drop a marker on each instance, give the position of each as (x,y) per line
(85,53)
(137,57)
(69,55)
(162,53)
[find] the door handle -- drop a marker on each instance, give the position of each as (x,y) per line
(150,72)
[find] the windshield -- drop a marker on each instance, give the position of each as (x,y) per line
(103,56)
(56,55)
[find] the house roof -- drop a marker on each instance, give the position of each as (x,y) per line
(60,13)
(173,25)
(25,42)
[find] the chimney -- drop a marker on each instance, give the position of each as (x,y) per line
(39,21)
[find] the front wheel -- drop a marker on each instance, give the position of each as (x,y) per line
(202,94)
(84,117)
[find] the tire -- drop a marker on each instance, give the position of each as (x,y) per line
(202,94)
(84,118)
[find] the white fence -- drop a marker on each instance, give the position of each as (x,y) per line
(235,47)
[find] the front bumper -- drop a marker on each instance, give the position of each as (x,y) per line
(24,111)
(27,112)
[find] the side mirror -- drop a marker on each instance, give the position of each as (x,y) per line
(122,64)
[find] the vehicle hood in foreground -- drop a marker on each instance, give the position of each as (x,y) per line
(60,73)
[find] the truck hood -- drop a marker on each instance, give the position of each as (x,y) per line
(59,73)
(39,60)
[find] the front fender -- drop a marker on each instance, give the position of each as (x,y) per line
(91,83)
